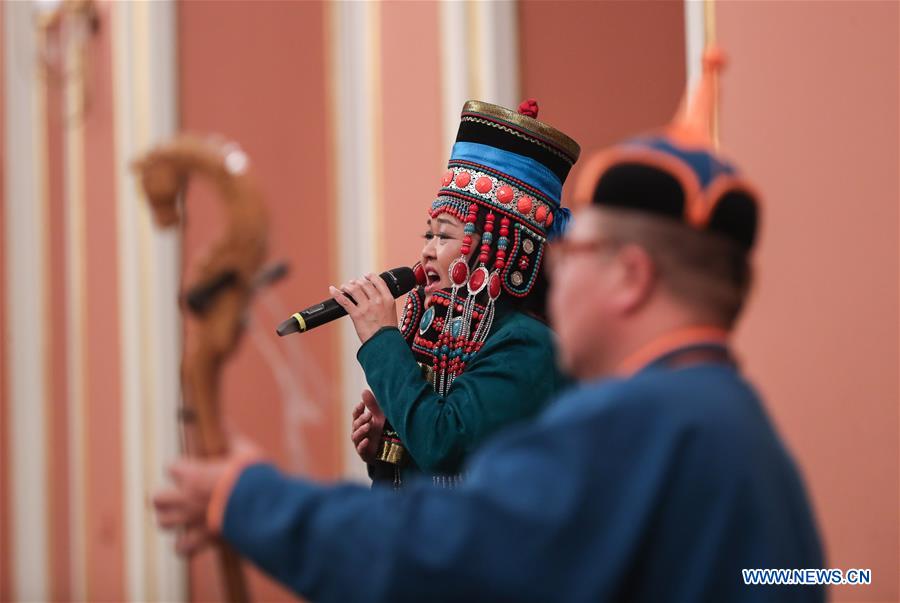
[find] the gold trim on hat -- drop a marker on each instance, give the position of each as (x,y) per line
(527,123)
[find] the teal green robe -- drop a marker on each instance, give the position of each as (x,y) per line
(510,379)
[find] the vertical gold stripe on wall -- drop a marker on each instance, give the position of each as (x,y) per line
(709,34)
(332,55)
(140,69)
(43,173)
(709,18)
(376,123)
(331,61)
(6,587)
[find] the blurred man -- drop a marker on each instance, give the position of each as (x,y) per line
(658,478)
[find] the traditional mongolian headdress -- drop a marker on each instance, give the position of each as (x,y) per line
(506,171)
(677,172)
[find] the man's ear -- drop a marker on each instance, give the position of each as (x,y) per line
(637,278)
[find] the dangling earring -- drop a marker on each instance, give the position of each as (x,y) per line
(448,340)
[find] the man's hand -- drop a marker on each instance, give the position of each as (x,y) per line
(375,307)
(184,506)
(368,425)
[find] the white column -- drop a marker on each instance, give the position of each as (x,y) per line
(145,77)
(356,121)
(479,57)
(496,36)
(26,268)
(694,40)
(456,85)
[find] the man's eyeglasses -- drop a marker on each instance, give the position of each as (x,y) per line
(563,248)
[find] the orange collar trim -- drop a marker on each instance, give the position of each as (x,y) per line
(667,343)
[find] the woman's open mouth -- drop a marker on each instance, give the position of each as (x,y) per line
(434,280)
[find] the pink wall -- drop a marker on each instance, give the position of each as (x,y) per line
(414,149)
(602,70)
(810,108)
(255,72)
(57,346)
(103,417)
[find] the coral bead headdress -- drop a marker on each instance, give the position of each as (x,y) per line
(506,171)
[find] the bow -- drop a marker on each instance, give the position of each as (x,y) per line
(226,278)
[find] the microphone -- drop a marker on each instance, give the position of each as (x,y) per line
(399,281)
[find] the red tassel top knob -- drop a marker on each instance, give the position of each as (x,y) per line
(529,107)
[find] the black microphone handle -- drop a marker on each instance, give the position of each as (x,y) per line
(399,281)
(312,317)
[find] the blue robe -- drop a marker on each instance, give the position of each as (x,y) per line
(661,486)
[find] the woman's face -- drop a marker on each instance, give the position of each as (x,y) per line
(443,240)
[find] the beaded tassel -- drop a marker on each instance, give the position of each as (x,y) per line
(446,360)
(464,344)
(456,342)
(484,327)
(480,277)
